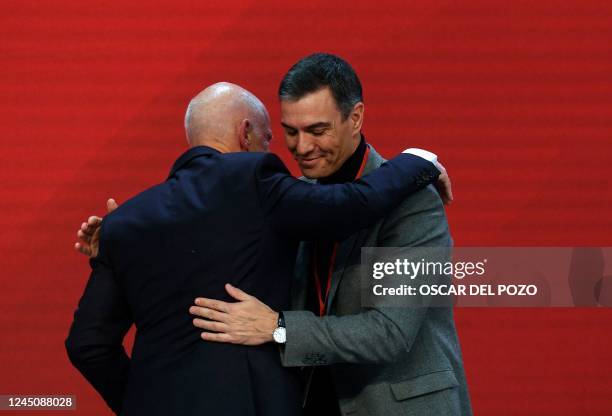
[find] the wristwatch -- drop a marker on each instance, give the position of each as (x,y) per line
(280,333)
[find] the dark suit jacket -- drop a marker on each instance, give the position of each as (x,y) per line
(218,218)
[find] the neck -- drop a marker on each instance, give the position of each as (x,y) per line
(215,144)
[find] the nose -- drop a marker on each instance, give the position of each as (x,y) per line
(305,144)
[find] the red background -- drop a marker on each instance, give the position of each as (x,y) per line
(515,97)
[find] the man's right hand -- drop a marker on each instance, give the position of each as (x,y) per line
(89,233)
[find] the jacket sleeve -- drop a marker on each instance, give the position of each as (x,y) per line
(377,334)
(306,211)
(102,319)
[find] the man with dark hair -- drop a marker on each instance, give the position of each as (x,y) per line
(373,361)
(323,70)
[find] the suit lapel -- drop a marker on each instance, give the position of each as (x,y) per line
(343,254)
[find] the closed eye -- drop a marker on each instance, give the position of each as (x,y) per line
(318,132)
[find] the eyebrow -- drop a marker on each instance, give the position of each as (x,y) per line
(319,125)
(287,126)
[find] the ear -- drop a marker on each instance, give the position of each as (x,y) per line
(244,135)
(356,117)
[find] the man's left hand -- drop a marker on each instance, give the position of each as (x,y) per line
(247,321)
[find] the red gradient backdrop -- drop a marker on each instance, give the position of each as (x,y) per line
(515,97)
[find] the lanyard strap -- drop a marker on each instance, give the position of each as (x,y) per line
(330,269)
(366,155)
(323,300)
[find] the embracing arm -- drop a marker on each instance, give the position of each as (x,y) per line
(304,210)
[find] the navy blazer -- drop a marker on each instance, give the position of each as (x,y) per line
(218,218)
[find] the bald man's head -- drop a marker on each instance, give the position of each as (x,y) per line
(228,118)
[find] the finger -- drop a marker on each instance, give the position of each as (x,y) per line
(446,183)
(209,336)
(449,191)
(442,190)
(83,236)
(82,249)
(209,314)
(217,305)
(236,293)
(111,205)
(89,231)
(447,200)
(94,221)
(210,325)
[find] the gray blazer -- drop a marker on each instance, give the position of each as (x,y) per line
(384,361)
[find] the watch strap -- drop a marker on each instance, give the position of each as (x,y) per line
(281,320)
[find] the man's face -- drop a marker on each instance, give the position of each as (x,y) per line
(316,135)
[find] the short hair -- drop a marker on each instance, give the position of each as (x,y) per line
(318,71)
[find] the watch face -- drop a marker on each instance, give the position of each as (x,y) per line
(280,335)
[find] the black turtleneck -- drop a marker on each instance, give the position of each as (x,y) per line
(348,171)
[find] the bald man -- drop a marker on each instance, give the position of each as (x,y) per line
(228,212)
(228,118)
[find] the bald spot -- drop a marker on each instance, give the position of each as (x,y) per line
(213,116)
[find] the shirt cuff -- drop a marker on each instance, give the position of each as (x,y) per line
(429,156)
